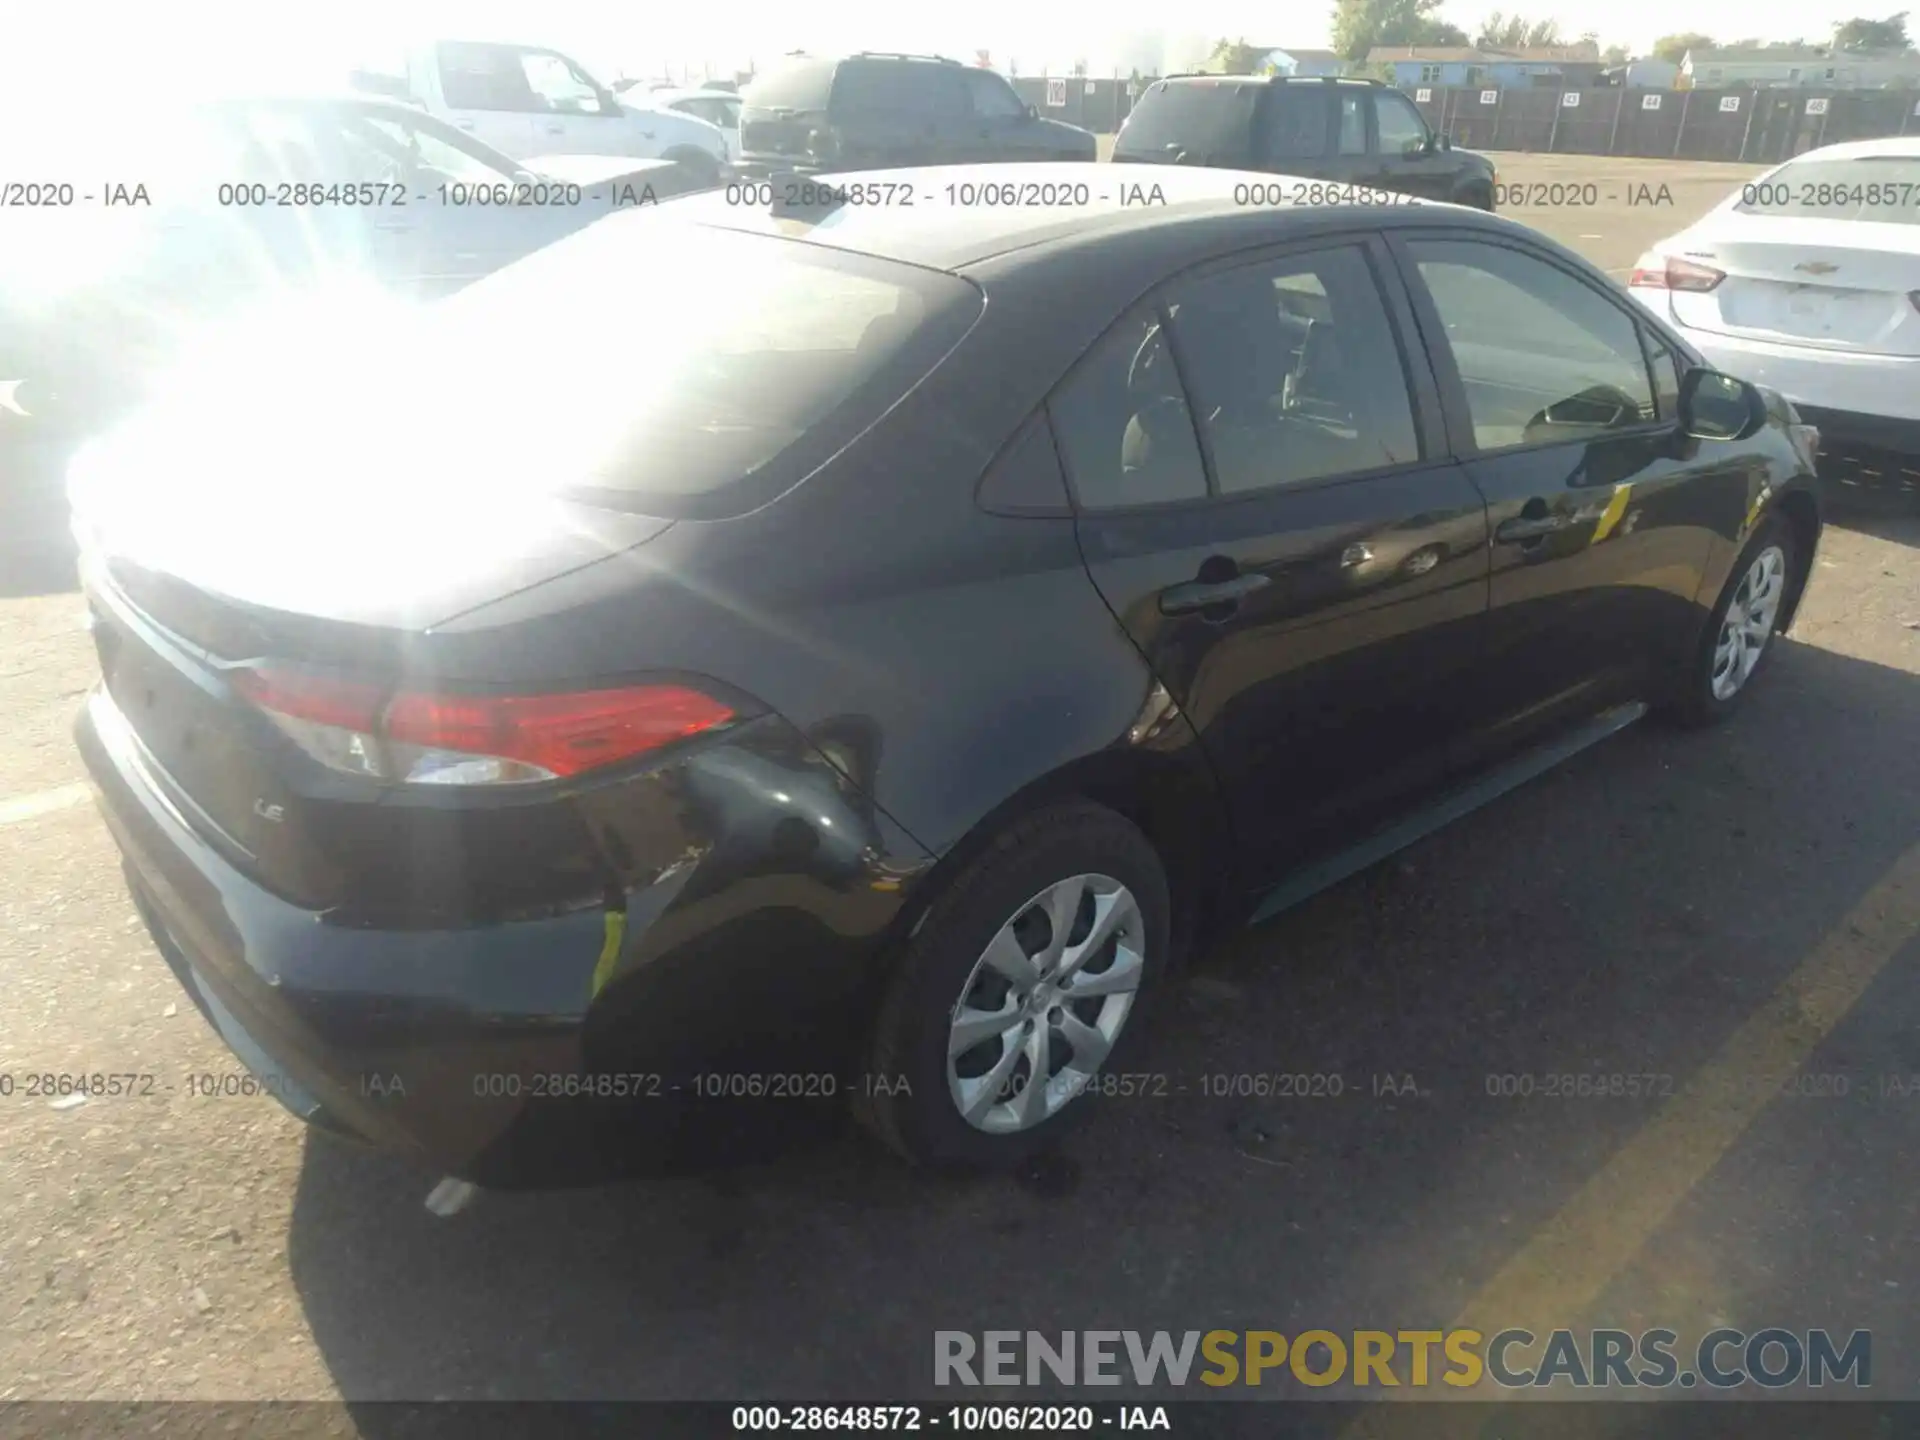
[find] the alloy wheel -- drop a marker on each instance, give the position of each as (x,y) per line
(1748,624)
(1044,1003)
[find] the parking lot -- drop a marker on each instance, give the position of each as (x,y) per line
(1733,913)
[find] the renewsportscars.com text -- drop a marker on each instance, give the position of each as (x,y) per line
(1363,1359)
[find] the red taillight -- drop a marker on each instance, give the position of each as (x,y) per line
(360,729)
(1669,272)
(561,734)
(320,699)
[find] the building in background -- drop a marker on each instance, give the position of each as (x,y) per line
(1573,66)
(1296,61)
(1814,67)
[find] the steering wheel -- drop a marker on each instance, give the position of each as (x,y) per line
(1144,370)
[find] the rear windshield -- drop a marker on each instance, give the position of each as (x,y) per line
(671,369)
(791,85)
(1880,188)
(1200,117)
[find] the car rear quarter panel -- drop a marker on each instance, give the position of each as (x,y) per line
(951,659)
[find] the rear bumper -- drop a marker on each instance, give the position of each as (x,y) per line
(1877,393)
(563,1050)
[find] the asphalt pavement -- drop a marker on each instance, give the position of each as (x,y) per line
(1732,913)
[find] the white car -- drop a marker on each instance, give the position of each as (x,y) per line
(527,101)
(720,108)
(1807,280)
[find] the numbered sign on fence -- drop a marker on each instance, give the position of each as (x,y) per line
(1489,97)
(1570,99)
(1649,102)
(1092,89)
(1817,105)
(1729,104)
(1056,93)
(1423,96)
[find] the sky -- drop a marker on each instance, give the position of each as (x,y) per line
(133,46)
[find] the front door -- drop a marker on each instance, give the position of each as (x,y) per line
(572,118)
(1410,162)
(1002,126)
(1262,505)
(486,94)
(1603,516)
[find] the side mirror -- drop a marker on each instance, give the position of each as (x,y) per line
(609,103)
(1033,112)
(1718,407)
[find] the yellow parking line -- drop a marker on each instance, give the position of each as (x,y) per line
(1572,1259)
(42,802)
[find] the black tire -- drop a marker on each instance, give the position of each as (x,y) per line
(919,1119)
(1694,703)
(1480,197)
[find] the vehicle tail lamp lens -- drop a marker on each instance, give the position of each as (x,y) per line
(441,739)
(1669,272)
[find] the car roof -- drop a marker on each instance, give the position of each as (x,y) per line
(1906,146)
(938,234)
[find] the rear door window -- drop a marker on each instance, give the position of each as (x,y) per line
(1293,367)
(912,88)
(1353,121)
(1294,123)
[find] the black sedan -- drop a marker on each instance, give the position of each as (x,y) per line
(570,746)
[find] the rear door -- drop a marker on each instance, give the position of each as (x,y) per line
(1263,504)
(902,112)
(1294,130)
(487,95)
(1603,516)
(1356,159)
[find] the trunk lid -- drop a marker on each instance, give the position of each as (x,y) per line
(318,527)
(1842,286)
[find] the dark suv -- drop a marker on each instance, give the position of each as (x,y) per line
(870,110)
(1356,132)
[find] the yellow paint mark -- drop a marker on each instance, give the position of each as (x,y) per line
(43,802)
(1575,1256)
(1609,518)
(609,950)
(1753,510)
